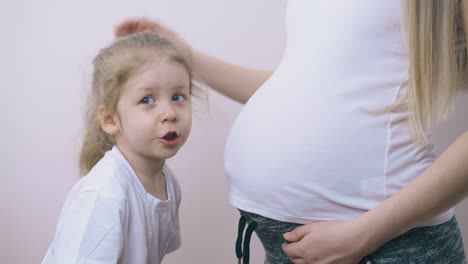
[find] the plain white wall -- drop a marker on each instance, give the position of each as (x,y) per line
(46,50)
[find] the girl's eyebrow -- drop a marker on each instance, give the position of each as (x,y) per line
(178,86)
(146,89)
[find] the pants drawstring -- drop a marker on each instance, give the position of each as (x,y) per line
(243,250)
(240,231)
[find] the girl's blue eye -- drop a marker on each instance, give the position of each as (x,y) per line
(177,98)
(146,100)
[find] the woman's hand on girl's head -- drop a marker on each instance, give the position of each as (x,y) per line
(134,25)
(328,242)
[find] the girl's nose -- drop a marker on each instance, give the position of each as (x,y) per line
(168,113)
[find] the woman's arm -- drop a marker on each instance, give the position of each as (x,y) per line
(237,83)
(438,188)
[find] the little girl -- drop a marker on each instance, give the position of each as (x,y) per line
(125,210)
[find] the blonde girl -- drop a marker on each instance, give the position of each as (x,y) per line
(125,208)
(330,160)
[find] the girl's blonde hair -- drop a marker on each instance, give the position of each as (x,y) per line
(438,61)
(113,66)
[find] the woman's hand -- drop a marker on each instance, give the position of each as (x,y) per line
(327,242)
(132,26)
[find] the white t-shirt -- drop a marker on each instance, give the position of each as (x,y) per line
(109,217)
(306,146)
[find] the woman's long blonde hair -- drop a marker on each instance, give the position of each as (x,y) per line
(438,61)
(113,66)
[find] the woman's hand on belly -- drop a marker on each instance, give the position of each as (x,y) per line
(326,242)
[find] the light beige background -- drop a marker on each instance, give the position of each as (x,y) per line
(46,50)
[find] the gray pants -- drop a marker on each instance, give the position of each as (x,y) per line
(439,244)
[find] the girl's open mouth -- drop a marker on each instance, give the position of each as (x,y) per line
(171,138)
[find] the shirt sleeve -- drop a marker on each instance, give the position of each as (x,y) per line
(89,231)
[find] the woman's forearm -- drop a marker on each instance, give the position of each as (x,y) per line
(438,188)
(237,83)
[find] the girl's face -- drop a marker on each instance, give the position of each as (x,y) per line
(155,112)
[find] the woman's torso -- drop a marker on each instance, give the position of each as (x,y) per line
(307,146)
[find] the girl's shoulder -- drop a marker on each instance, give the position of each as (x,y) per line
(107,179)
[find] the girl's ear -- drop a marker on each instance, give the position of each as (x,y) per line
(109,122)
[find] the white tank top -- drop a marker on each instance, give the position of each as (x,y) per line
(306,146)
